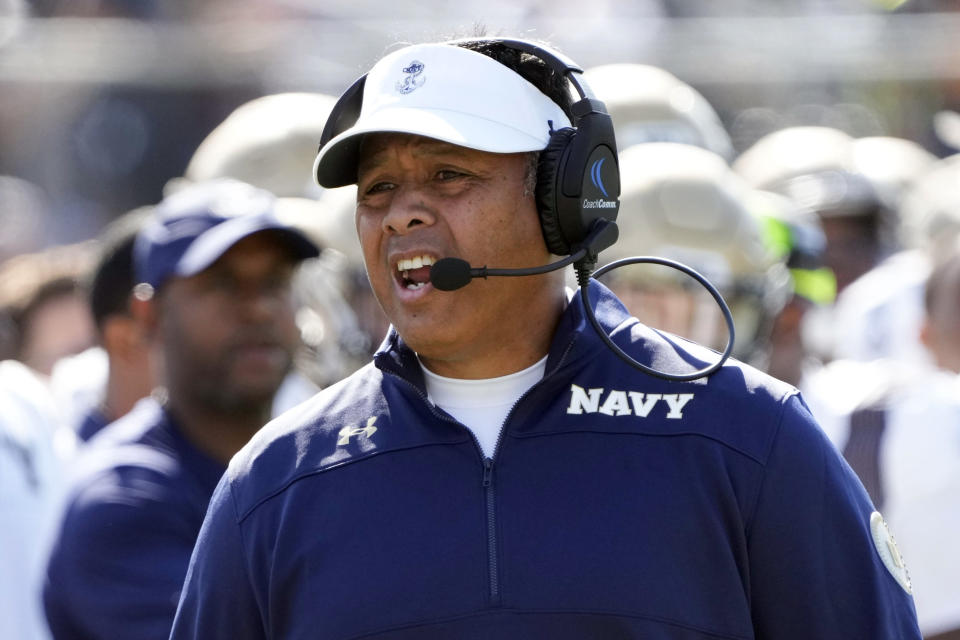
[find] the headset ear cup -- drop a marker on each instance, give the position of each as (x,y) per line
(548,190)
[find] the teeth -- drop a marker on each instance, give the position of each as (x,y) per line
(414,263)
(416,285)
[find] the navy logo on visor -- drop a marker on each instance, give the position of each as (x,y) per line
(596,178)
(413,78)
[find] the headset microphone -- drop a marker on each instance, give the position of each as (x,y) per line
(450,274)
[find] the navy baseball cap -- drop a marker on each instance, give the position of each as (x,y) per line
(196,225)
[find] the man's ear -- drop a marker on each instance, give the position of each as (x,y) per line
(144,310)
(124,337)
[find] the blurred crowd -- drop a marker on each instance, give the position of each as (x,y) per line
(838,254)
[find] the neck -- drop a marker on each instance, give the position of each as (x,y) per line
(218,433)
(124,389)
(508,348)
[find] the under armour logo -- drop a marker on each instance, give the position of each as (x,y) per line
(348,432)
(413,78)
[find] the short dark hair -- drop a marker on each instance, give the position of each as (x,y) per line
(113,276)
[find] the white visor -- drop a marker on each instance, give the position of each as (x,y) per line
(447,93)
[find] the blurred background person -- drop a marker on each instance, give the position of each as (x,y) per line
(216,266)
(854,186)
(879,318)
(880,315)
(42,298)
(904,443)
(45,317)
(650,104)
(684,203)
(794,235)
(814,165)
(940,332)
(31,482)
(889,401)
(270,142)
(122,353)
(44,305)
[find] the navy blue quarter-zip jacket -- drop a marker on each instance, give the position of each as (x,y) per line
(615,506)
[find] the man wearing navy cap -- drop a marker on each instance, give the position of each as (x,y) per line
(215,267)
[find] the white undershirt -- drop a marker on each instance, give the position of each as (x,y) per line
(482,405)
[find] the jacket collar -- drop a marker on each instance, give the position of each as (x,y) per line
(573,340)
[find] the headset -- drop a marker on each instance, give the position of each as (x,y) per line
(578,177)
(577,194)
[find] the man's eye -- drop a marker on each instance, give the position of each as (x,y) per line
(221,282)
(379,187)
(449,174)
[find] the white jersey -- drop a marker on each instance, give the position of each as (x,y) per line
(880,314)
(914,443)
(79,385)
(31,490)
(920,463)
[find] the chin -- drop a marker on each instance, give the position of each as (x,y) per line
(427,339)
(248,399)
(257,386)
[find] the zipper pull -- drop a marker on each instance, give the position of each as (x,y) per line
(487,471)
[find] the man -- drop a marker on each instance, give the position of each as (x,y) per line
(817,167)
(41,299)
(880,314)
(650,104)
(268,142)
(795,236)
(129,374)
(496,472)
(924,430)
(685,203)
(31,483)
(215,268)
(48,321)
(902,440)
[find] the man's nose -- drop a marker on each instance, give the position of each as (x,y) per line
(410,208)
(261,301)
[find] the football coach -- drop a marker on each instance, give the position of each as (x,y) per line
(497,470)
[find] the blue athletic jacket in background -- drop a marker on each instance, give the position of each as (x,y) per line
(131,521)
(616,505)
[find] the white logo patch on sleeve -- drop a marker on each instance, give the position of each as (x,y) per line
(889,554)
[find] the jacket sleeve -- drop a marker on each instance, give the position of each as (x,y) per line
(815,570)
(117,567)
(218,600)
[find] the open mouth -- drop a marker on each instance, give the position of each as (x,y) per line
(414,273)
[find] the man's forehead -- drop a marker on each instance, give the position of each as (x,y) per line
(269,243)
